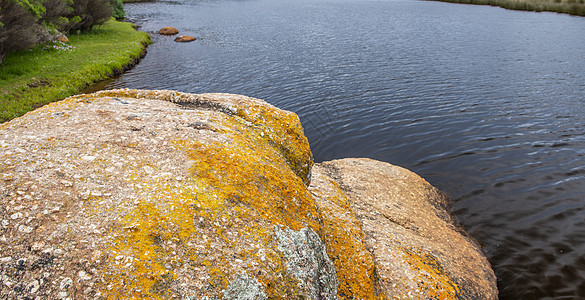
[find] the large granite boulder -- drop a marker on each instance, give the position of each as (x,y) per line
(401,222)
(158,194)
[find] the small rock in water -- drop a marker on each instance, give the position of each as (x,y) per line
(184,39)
(168,31)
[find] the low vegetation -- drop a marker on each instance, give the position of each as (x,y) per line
(52,71)
(573,7)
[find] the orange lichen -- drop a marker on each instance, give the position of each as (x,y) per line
(137,250)
(344,239)
(282,129)
(240,186)
(433,282)
(249,171)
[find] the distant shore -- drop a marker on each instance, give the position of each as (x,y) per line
(571,7)
(46,73)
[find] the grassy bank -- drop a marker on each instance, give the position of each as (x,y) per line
(46,73)
(572,7)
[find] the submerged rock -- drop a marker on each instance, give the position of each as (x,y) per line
(160,194)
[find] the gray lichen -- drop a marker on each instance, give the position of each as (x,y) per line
(306,259)
(244,287)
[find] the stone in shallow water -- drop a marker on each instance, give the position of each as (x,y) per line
(184,39)
(168,31)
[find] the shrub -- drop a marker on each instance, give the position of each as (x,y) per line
(56,10)
(87,13)
(17,27)
(34,7)
(118,9)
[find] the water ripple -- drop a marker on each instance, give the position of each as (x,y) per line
(485,103)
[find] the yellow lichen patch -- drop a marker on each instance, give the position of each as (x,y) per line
(432,280)
(175,228)
(286,287)
(137,260)
(344,239)
(240,187)
(282,129)
(286,134)
(249,171)
(218,277)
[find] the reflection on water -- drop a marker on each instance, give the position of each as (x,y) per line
(486,104)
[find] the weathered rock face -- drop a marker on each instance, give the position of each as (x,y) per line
(43,35)
(416,251)
(159,194)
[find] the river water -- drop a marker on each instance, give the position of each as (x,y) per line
(485,103)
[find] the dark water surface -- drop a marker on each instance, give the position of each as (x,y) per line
(486,104)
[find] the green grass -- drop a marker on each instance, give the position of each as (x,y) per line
(572,7)
(34,77)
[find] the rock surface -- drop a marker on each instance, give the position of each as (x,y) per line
(61,38)
(416,250)
(168,31)
(43,35)
(184,39)
(159,194)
